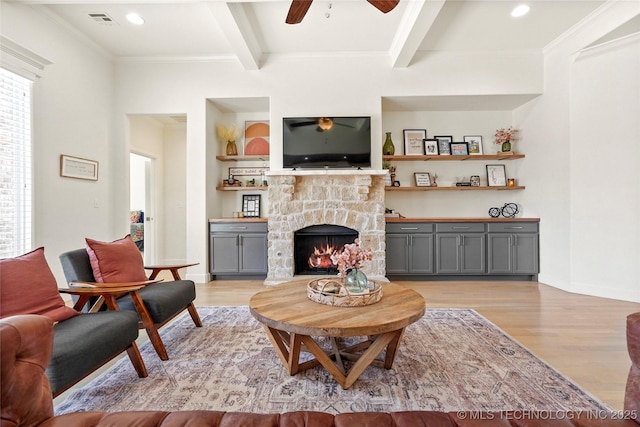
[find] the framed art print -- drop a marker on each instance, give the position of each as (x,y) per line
(431,147)
(256,138)
(423,179)
(413,145)
(459,149)
(496,176)
(475,144)
(251,205)
(443,144)
(75,167)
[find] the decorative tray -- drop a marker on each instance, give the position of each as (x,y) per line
(333,292)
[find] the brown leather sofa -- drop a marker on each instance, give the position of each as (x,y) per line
(26,342)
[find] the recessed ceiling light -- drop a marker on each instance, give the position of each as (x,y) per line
(520,10)
(134,18)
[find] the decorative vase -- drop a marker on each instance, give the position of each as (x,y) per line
(232,150)
(355,280)
(388,148)
(506,146)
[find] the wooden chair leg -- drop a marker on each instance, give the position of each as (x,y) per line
(136,360)
(194,315)
(149,326)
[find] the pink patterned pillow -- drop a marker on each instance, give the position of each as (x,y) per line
(117,261)
(28,287)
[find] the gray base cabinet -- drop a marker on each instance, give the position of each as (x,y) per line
(409,248)
(513,248)
(238,249)
(443,251)
(460,248)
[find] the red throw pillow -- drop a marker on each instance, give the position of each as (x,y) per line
(117,261)
(28,287)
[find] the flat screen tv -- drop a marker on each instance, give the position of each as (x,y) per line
(326,142)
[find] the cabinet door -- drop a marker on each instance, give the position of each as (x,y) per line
(421,253)
(472,253)
(525,253)
(253,253)
(500,254)
(224,253)
(397,253)
(447,253)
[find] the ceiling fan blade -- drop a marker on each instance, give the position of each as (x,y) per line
(297,10)
(384,6)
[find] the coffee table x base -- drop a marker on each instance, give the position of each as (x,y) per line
(288,346)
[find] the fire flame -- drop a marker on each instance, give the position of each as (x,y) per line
(321,257)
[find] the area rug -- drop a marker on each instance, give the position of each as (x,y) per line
(455,359)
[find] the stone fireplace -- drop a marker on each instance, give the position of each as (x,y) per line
(352,199)
(314,245)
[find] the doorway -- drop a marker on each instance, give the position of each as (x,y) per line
(142,205)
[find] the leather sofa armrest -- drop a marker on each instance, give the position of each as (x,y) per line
(27,343)
(632,392)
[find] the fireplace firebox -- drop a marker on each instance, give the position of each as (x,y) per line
(314,245)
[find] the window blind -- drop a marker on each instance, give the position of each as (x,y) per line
(15,164)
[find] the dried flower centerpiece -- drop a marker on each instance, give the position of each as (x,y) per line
(504,137)
(353,289)
(228,134)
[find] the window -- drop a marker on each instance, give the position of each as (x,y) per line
(15,164)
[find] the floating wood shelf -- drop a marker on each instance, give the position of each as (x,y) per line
(242,188)
(240,158)
(482,188)
(456,158)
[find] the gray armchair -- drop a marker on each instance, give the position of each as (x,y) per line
(158,303)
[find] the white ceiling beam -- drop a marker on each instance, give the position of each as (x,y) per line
(235,25)
(418,18)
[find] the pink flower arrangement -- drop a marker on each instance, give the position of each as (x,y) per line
(352,256)
(504,135)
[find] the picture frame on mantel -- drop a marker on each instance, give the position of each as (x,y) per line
(413,141)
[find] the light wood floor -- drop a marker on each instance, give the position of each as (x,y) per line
(582,337)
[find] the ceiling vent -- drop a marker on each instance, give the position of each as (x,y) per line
(103,18)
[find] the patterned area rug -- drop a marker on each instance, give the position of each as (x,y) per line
(452,359)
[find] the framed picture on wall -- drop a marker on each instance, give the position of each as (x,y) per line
(413,145)
(76,167)
(475,144)
(256,138)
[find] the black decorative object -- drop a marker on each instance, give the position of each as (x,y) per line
(509,210)
(494,212)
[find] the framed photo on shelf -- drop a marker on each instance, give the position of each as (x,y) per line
(423,179)
(475,144)
(431,147)
(496,176)
(251,205)
(75,167)
(413,145)
(459,149)
(443,144)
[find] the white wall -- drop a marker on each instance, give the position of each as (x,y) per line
(581,140)
(79,116)
(72,115)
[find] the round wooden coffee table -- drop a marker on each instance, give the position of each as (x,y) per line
(291,321)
